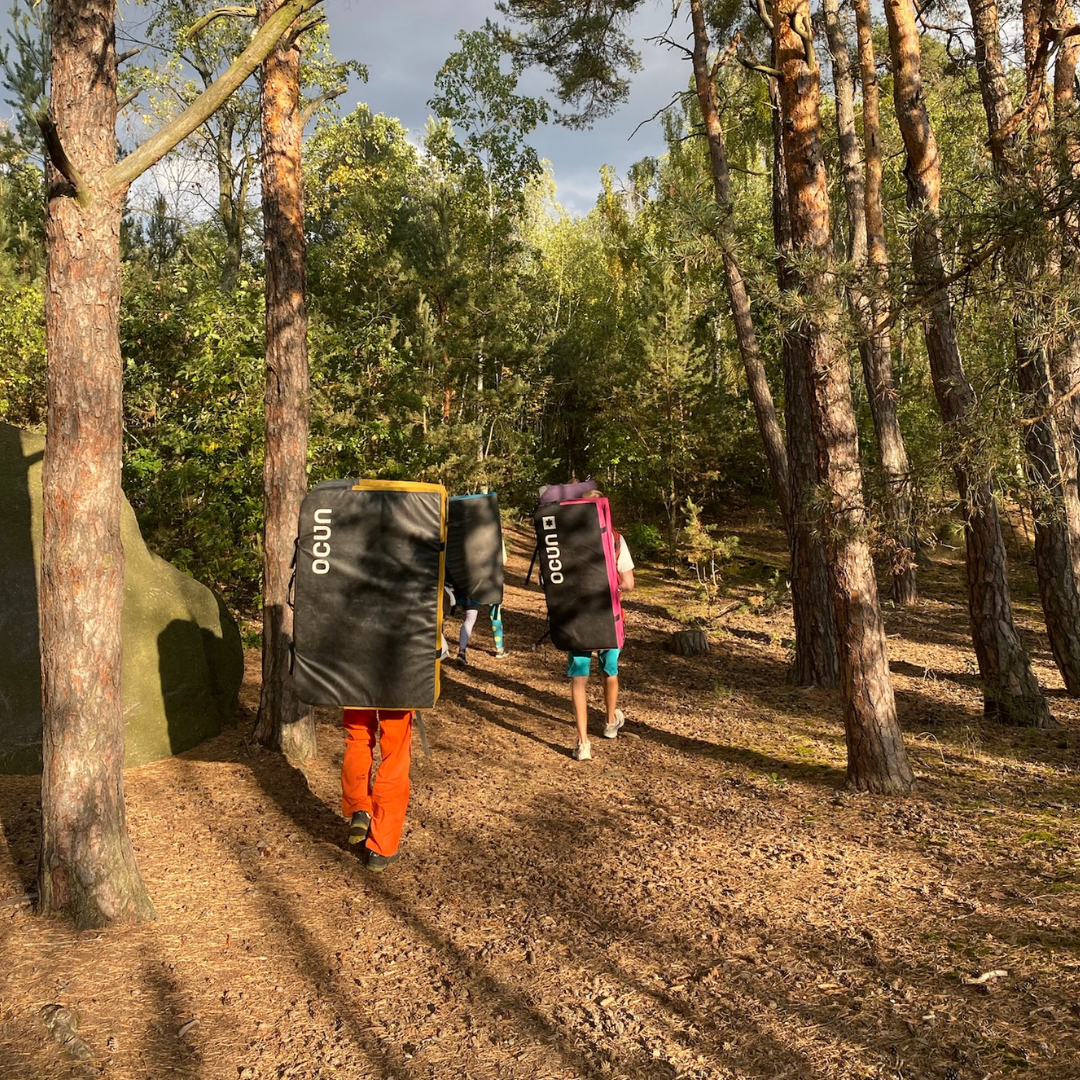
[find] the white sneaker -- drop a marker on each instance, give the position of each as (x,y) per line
(583,752)
(612,729)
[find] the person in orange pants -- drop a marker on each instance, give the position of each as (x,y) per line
(376,810)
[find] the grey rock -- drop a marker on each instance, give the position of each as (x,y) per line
(183,659)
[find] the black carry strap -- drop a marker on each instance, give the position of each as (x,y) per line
(290,599)
(532,563)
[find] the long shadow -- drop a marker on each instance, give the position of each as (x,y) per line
(20,655)
(20,823)
(683,744)
(485,705)
(171,1049)
(484,985)
(930,675)
(754,675)
(287,787)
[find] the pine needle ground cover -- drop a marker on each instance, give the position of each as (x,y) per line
(702,900)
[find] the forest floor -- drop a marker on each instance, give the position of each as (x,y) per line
(702,900)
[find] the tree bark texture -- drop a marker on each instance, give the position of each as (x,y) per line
(877,760)
(87,867)
(745,334)
(1051,453)
(1010,690)
(1054,510)
(1065,63)
(874,341)
(815,661)
(283,722)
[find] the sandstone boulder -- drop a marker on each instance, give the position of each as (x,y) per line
(183,660)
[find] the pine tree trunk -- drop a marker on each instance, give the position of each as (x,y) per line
(283,722)
(1051,454)
(815,662)
(791,468)
(1053,509)
(87,868)
(877,760)
(1010,690)
(874,342)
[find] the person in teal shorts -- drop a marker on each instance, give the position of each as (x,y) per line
(579,665)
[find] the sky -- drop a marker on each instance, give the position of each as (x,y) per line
(404,43)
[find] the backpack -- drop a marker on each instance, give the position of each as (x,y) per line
(578,555)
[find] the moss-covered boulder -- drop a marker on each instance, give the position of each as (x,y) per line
(183,660)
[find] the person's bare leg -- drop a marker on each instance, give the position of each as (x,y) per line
(611,702)
(578,687)
(611,696)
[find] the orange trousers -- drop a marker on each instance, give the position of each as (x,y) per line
(387,798)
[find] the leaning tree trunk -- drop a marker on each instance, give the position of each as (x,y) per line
(815,661)
(1054,510)
(745,334)
(1010,690)
(87,865)
(815,652)
(1050,453)
(877,760)
(1065,356)
(283,722)
(874,339)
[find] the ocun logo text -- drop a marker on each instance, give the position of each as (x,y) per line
(552,552)
(321,548)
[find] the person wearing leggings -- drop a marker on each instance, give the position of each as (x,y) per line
(468,624)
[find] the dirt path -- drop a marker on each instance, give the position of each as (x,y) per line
(700,900)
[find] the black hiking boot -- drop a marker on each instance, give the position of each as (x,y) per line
(377,863)
(359,827)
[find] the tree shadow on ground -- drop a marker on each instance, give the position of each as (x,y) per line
(484,986)
(20,824)
(557,708)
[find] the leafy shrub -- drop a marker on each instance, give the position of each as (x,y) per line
(645,541)
(22,356)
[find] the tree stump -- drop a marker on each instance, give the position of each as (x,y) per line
(688,642)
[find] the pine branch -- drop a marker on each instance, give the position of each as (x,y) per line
(54,148)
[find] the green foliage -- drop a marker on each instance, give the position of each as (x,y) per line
(193,385)
(22,356)
(26,74)
(645,541)
(22,211)
(585,47)
(705,552)
(479,100)
(464,329)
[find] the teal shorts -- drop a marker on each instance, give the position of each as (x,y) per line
(580,663)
